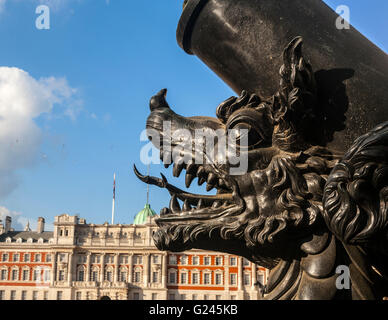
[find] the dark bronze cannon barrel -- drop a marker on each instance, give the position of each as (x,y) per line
(242,41)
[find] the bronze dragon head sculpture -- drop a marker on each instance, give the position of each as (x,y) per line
(299,208)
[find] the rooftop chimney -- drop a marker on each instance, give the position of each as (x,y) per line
(8,222)
(40,228)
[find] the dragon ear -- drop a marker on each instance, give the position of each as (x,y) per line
(293,106)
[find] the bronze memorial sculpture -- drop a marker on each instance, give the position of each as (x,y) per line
(315,193)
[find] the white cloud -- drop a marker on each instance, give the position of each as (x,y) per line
(23,99)
(2,5)
(19,221)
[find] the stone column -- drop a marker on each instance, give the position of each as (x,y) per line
(88,266)
(54,268)
(70,269)
(164,270)
(254,275)
(226,273)
(102,270)
(130,269)
(147,270)
(116,270)
(240,273)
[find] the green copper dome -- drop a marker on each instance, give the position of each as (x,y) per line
(142,216)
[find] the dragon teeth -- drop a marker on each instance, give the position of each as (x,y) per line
(200,172)
(201,181)
(189,179)
(186,206)
(174,205)
(200,204)
(191,168)
(178,167)
(212,179)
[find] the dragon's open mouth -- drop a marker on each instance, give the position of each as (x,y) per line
(194,206)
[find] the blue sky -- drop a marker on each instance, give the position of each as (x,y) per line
(96,68)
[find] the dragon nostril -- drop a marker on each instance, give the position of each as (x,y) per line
(159,100)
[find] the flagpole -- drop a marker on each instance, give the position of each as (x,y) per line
(114,196)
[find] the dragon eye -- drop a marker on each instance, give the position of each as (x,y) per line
(246,133)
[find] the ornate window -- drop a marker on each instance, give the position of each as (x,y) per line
(195,260)
(137,275)
(184,260)
(26,274)
(172,259)
(26,257)
(95,258)
(218,278)
(4,273)
(155,259)
(81,274)
(233,261)
(48,257)
(218,261)
(38,257)
(15,274)
(94,274)
(137,259)
(109,258)
(172,276)
(4,257)
(123,274)
(37,274)
(206,261)
(247,279)
(46,275)
(124,259)
(233,279)
(61,275)
(207,278)
(183,277)
(16,257)
(109,275)
(155,276)
(195,277)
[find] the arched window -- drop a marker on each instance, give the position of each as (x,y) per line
(94,274)
(172,276)
(109,275)
(26,274)
(15,274)
(137,275)
(81,273)
(123,275)
(195,277)
(4,273)
(218,277)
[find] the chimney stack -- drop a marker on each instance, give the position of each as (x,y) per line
(8,222)
(40,228)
